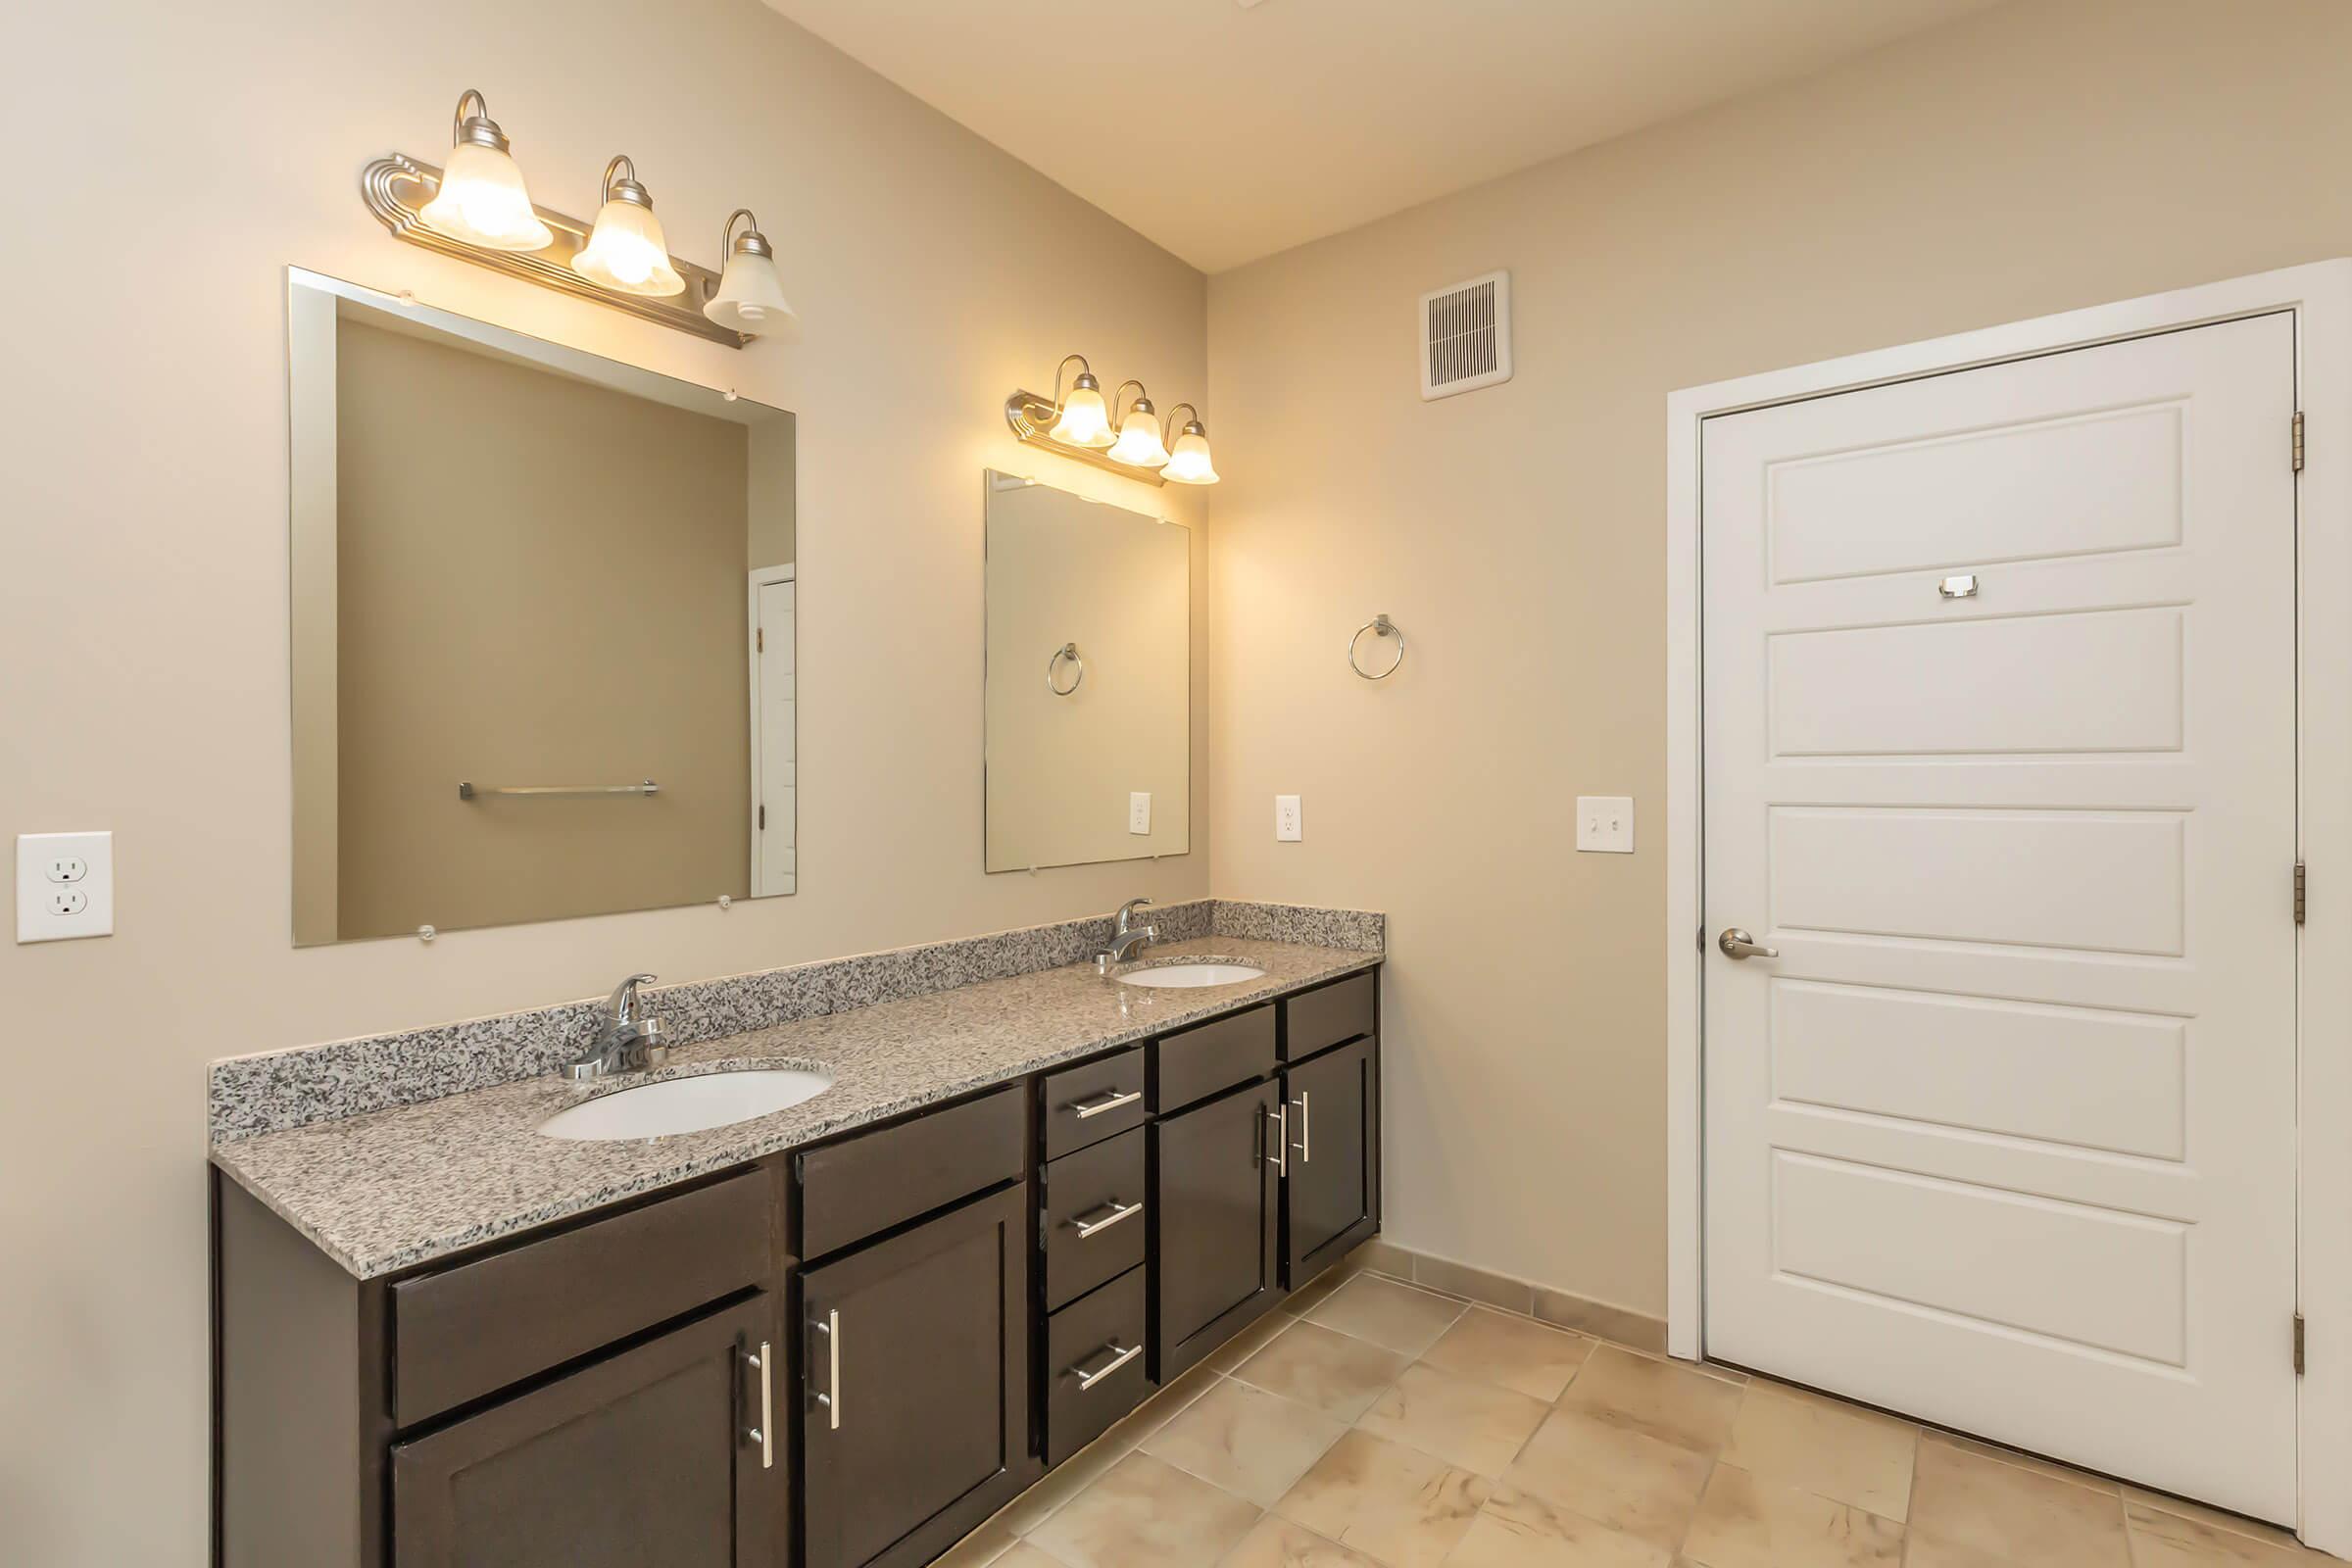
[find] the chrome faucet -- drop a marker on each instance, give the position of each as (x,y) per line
(630,1041)
(1127,939)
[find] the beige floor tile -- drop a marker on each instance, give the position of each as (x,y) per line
(1474,1425)
(2023,1461)
(1393,1504)
(1510,1352)
(1276,1543)
(1314,1292)
(1249,1442)
(1659,1400)
(1519,1530)
(1145,1513)
(1334,1372)
(1021,1554)
(1616,1476)
(1833,1449)
(982,1547)
(1386,1313)
(2165,1540)
(1746,1522)
(1247,1344)
(1072,1476)
(2214,1518)
(1968,1509)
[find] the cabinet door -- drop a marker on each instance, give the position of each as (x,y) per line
(1216,1216)
(917,1423)
(646,1457)
(1331,1191)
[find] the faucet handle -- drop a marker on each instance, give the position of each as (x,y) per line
(1128,908)
(622,1004)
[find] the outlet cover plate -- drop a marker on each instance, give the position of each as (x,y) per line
(1139,813)
(1288,828)
(1604,824)
(47,864)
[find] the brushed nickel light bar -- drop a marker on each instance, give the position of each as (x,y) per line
(1124,435)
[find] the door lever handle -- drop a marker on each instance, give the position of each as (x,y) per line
(1738,943)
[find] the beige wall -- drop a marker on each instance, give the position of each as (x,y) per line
(541,582)
(1118,583)
(2037,158)
(143,624)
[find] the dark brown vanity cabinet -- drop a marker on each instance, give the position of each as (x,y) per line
(664,1454)
(1330,1183)
(1218,1208)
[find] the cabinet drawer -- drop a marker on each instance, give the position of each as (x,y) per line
(1315,1021)
(473,1329)
(1095,1220)
(864,1185)
(1088,1104)
(1195,1063)
(1094,1365)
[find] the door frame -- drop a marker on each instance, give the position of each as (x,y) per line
(768,577)
(2320,297)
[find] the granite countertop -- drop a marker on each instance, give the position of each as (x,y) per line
(391,1189)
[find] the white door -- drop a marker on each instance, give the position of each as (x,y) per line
(2000,757)
(775,745)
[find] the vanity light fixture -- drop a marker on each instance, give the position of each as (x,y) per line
(749,295)
(482,199)
(627,250)
(1125,436)
(477,209)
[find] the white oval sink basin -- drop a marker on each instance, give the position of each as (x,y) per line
(1190,975)
(688,1105)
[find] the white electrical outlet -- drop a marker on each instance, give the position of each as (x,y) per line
(1139,813)
(1604,824)
(64,886)
(1287,828)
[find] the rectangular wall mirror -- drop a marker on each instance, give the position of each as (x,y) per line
(1088,679)
(542,627)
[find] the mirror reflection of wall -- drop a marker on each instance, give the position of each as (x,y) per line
(1089,680)
(547,576)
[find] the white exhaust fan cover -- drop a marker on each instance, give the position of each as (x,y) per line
(1466,336)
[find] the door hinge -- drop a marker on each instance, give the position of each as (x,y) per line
(2300,883)
(2296,441)
(764,828)
(760,635)
(2298,1344)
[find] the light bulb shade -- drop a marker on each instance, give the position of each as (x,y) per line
(1084,420)
(751,297)
(1139,440)
(628,252)
(482,202)
(1189,464)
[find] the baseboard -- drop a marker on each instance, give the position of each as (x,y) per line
(1560,1308)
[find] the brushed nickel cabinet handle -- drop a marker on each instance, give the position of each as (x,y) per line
(1088,1109)
(830,1328)
(763,1433)
(1112,1213)
(1306,1129)
(1278,1139)
(1087,1380)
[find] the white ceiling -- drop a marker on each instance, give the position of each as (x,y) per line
(1226,131)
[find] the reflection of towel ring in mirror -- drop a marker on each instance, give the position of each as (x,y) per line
(1379,626)
(1068,651)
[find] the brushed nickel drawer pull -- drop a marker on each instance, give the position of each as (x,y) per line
(1111,1099)
(1112,1213)
(1087,1380)
(761,1434)
(1278,1139)
(1306,1129)
(830,1328)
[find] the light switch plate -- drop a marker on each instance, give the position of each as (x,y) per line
(64,886)
(1604,824)
(1139,813)
(1286,826)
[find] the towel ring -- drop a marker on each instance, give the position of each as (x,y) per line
(1379,626)
(1068,651)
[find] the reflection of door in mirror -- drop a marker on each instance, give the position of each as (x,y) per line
(1089,686)
(521,568)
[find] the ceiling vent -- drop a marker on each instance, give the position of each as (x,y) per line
(1466,336)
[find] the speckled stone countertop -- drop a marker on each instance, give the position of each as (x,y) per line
(391,1189)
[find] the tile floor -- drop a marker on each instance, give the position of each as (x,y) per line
(1372,1424)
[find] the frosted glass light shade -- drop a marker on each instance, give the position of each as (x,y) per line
(482,201)
(1139,440)
(1084,420)
(1189,464)
(751,297)
(628,252)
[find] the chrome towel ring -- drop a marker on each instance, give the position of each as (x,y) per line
(1068,651)
(1379,626)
